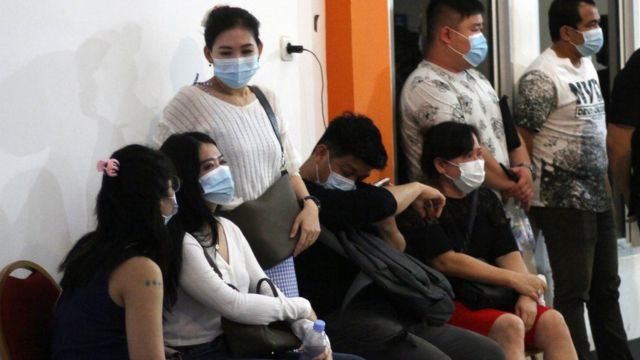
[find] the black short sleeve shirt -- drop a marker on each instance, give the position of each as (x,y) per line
(490,238)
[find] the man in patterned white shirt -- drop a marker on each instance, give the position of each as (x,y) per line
(446,87)
(561,114)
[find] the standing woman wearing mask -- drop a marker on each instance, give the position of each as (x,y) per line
(479,247)
(226,109)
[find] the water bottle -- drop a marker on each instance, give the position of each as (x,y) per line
(520,226)
(315,341)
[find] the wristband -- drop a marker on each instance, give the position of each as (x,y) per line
(525,165)
(312,198)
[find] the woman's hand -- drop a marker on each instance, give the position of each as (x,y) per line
(312,316)
(308,223)
(526,309)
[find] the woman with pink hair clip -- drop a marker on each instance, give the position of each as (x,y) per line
(113,284)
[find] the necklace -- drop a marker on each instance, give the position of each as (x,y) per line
(214,88)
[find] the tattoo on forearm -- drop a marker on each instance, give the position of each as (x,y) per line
(153,283)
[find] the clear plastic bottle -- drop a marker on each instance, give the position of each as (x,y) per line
(520,226)
(315,341)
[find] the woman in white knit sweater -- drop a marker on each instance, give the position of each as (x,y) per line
(226,109)
(192,326)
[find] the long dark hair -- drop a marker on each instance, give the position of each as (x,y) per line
(184,151)
(129,222)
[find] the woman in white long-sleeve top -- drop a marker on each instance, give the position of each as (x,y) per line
(192,326)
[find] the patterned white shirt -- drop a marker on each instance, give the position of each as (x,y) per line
(432,95)
(563,104)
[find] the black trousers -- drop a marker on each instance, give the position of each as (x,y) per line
(583,253)
(377,330)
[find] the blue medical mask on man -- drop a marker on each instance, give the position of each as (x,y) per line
(236,72)
(478,48)
(174,210)
(335,181)
(593,41)
(217,185)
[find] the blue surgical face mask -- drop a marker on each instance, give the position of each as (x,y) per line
(173,211)
(593,41)
(217,185)
(236,72)
(478,49)
(336,181)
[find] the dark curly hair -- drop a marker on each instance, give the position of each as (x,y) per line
(356,135)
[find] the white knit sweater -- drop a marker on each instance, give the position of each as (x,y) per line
(243,134)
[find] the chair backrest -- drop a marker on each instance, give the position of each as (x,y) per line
(26,311)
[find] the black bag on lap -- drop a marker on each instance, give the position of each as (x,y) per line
(476,295)
(405,279)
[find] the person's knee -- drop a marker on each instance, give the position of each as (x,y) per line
(508,328)
(551,326)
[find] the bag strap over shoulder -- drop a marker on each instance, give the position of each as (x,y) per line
(215,267)
(270,114)
(268,109)
(473,212)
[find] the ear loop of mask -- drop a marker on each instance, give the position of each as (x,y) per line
(451,47)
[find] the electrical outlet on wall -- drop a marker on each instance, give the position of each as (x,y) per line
(284,55)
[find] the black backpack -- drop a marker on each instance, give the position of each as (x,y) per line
(405,279)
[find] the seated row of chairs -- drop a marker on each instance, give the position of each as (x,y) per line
(26,312)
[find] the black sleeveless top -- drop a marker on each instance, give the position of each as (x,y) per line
(87,324)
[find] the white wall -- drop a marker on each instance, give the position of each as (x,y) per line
(525,38)
(80,79)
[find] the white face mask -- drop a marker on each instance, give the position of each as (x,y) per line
(471,175)
(174,210)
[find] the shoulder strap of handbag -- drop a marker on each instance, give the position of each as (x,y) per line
(270,114)
(215,268)
(473,212)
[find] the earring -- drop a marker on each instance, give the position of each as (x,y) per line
(210,64)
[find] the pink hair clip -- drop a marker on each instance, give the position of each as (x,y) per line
(110,167)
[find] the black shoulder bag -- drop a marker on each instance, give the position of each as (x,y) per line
(266,221)
(478,295)
(256,341)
